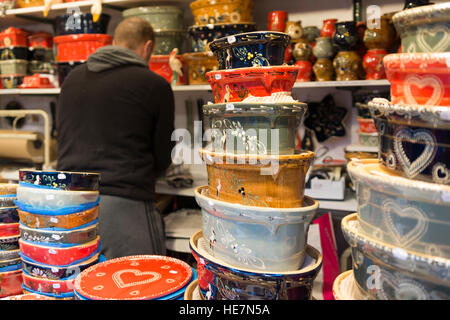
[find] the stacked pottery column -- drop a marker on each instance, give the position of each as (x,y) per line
(58,214)
(400,235)
(255,216)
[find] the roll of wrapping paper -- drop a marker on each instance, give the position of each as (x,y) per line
(9,243)
(9,229)
(72,236)
(19,146)
(9,215)
(8,188)
(58,256)
(42,285)
(67,221)
(10,283)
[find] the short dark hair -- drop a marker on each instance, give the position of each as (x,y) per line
(133,32)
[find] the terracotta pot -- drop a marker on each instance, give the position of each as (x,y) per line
(198,64)
(305,72)
(328,28)
(373,64)
(222,11)
(323,70)
(347,65)
(247,179)
(276,21)
(294,29)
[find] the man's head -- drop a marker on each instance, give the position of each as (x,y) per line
(135,34)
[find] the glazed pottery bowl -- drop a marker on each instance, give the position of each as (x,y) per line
(167,40)
(345,288)
(28,296)
(221,281)
(49,198)
(366,125)
(238,84)
(369,139)
(78,47)
(11,81)
(8,215)
(425,28)
(13,37)
(7,201)
(9,254)
(41,285)
(160,17)
(414,139)
(8,188)
(419,78)
(9,229)
(80,24)
(401,212)
(159,64)
(386,272)
(63,180)
(13,67)
(201,36)
(10,283)
(265,239)
(14,53)
(9,243)
(274,181)
(222,11)
(198,64)
(252,127)
(251,49)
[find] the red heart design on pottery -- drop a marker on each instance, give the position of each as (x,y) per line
(421,83)
(149,277)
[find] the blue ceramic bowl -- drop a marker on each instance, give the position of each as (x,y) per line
(222,281)
(391,273)
(64,180)
(251,49)
(77,23)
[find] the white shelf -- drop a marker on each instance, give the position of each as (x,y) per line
(332,84)
(53,91)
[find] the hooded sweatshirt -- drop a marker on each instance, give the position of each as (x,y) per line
(116,117)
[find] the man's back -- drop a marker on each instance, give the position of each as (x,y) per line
(117,122)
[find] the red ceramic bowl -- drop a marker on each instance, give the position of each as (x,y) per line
(366,125)
(9,229)
(40,40)
(234,85)
(78,47)
(42,285)
(36,81)
(10,283)
(159,64)
(57,256)
(419,78)
(29,296)
(13,37)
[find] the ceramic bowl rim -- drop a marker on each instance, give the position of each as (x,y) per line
(310,251)
(41,245)
(218,25)
(338,281)
(417,15)
(219,46)
(198,4)
(416,57)
(386,105)
(142,10)
(84,37)
(255,69)
(25,171)
(64,231)
(256,104)
(304,155)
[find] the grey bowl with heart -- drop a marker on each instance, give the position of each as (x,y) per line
(425,28)
(414,140)
(401,212)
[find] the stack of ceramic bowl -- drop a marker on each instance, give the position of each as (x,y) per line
(255,216)
(399,237)
(58,214)
(213,20)
(142,277)
(10,263)
(40,47)
(14,57)
(76,37)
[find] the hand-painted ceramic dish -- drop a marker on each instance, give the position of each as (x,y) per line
(198,64)
(8,215)
(254,128)
(36,81)
(9,254)
(143,277)
(255,237)
(345,288)
(40,40)
(160,64)
(9,243)
(78,47)
(14,53)
(238,84)
(167,40)
(222,11)
(60,296)
(263,181)
(10,283)
(393,273)
(80,23)
(251,49)
(368,139)
(41,285)
(221,281)
(419,78)
(64,180)
(414,139)
(28,296)
(73,236)
(424,28)
(10,262)
(13,37)
(11,81)
(192,292)
(160,17)
(202,35)
(8,188)
(50,198)
(9,229)
(7,200)
(401,212)
(64,221)
(12,67)
(58,255)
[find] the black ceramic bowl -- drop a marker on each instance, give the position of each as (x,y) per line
(201,36)
(251,49)
(64,68)
(80,23)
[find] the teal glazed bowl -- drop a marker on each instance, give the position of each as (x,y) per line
(424,28)
(401,212)
(391,273)
(242,127)
(160,17)
(251,49)
(167,40)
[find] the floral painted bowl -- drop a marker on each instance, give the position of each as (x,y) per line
(414,139)
(198,64)
(385,272)
(160,17)
(254,128)
(202,35)
(222,281)
(167,40)
(273,181)
(424,28)
(237,84)
(345,288)
(401,212)
(64,180)
(264,239)
(419,78)
(251,49)
(222,11)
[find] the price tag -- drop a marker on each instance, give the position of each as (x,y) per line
(52,251)
(54,220)
(231,39)
(218,76)
(229,106)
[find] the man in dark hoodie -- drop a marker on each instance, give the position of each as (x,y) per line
(116,117)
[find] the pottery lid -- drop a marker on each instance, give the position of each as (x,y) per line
(142,277)
(422,15)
